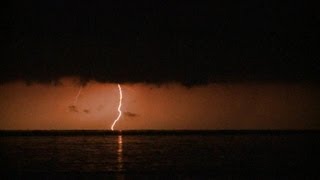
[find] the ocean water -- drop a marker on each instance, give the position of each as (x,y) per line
(182,155)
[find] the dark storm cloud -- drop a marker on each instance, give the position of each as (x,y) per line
(130,114)
(193,42)
(73,108)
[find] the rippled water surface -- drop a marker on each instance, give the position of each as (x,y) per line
(162,154)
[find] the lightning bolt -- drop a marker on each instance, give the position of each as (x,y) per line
(79,92)
(119,107)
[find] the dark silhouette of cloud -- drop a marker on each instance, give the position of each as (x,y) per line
(155,44)
(130,114)
(73,108)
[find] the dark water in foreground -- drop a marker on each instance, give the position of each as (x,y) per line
(160,154)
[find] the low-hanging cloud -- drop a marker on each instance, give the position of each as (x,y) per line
(73,108)
(130,114)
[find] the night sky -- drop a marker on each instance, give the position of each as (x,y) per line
(182,65)
(193,42)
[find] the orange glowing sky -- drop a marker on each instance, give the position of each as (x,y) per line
(169,106)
